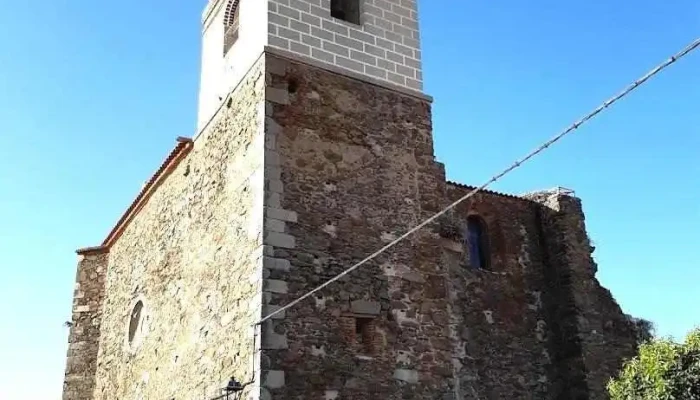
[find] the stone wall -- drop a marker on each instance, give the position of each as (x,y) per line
(498,320)
(537,324)
(193,257)
(302,173)
(84,337)
(356,169)
(594,335)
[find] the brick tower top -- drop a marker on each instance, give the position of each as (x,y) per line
(378,40)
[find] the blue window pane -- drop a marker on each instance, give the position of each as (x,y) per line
(473,241)
(476,243)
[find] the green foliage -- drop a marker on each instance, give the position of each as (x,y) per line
(643,329)
(663,370)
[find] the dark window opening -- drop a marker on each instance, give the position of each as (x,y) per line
(364,334)
(477,243)
(135,321)
(347,10)
(231,24)
(359,332)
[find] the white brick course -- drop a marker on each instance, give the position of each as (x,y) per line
(386,45)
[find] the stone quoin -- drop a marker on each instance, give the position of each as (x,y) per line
(314,149)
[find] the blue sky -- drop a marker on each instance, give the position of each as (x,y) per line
(93,94)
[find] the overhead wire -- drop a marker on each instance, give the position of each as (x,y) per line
(571,128)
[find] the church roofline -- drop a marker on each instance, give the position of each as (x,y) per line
(491,192)
(529,197)
(209,9)
(85,251)
(182,148)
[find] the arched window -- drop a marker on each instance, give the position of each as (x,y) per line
(477,242)
(231,24)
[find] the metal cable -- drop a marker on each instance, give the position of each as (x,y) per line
(692,46)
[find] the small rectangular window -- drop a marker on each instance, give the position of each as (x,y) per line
(365,334)
(360,333)
(347,10)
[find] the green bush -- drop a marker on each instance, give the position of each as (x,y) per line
(663,370)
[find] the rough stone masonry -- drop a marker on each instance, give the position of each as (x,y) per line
(301,173)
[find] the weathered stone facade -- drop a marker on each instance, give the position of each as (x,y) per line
(302,173)
(593,335)
(193,255)
(86,324)
(358,169)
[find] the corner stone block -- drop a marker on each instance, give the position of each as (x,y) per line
(279,264)
(331,395)
(273,200)
(275,186)
(273,128)
(272,340)
(262,252)
(365,307)
(272,158)
(283,215)
(269,309)
(276,66)
(82,309)
(272,173)
(274,379)
(282,240)
(275,286)
(275,95)
(406,375)
(270,142)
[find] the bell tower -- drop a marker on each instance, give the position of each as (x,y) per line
(234,35)
(375,40)
(314,148)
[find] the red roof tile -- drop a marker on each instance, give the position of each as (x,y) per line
(182,148)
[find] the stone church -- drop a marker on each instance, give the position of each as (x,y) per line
(314,149)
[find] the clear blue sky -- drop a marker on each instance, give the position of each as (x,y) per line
(93,94)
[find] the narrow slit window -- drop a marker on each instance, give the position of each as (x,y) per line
(347,10)
(135,322)
(477,243)
(231,24)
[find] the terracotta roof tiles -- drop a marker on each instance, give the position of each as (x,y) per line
(182,148)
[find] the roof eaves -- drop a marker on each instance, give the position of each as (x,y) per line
(182,148)
(85,251)
(461,185)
